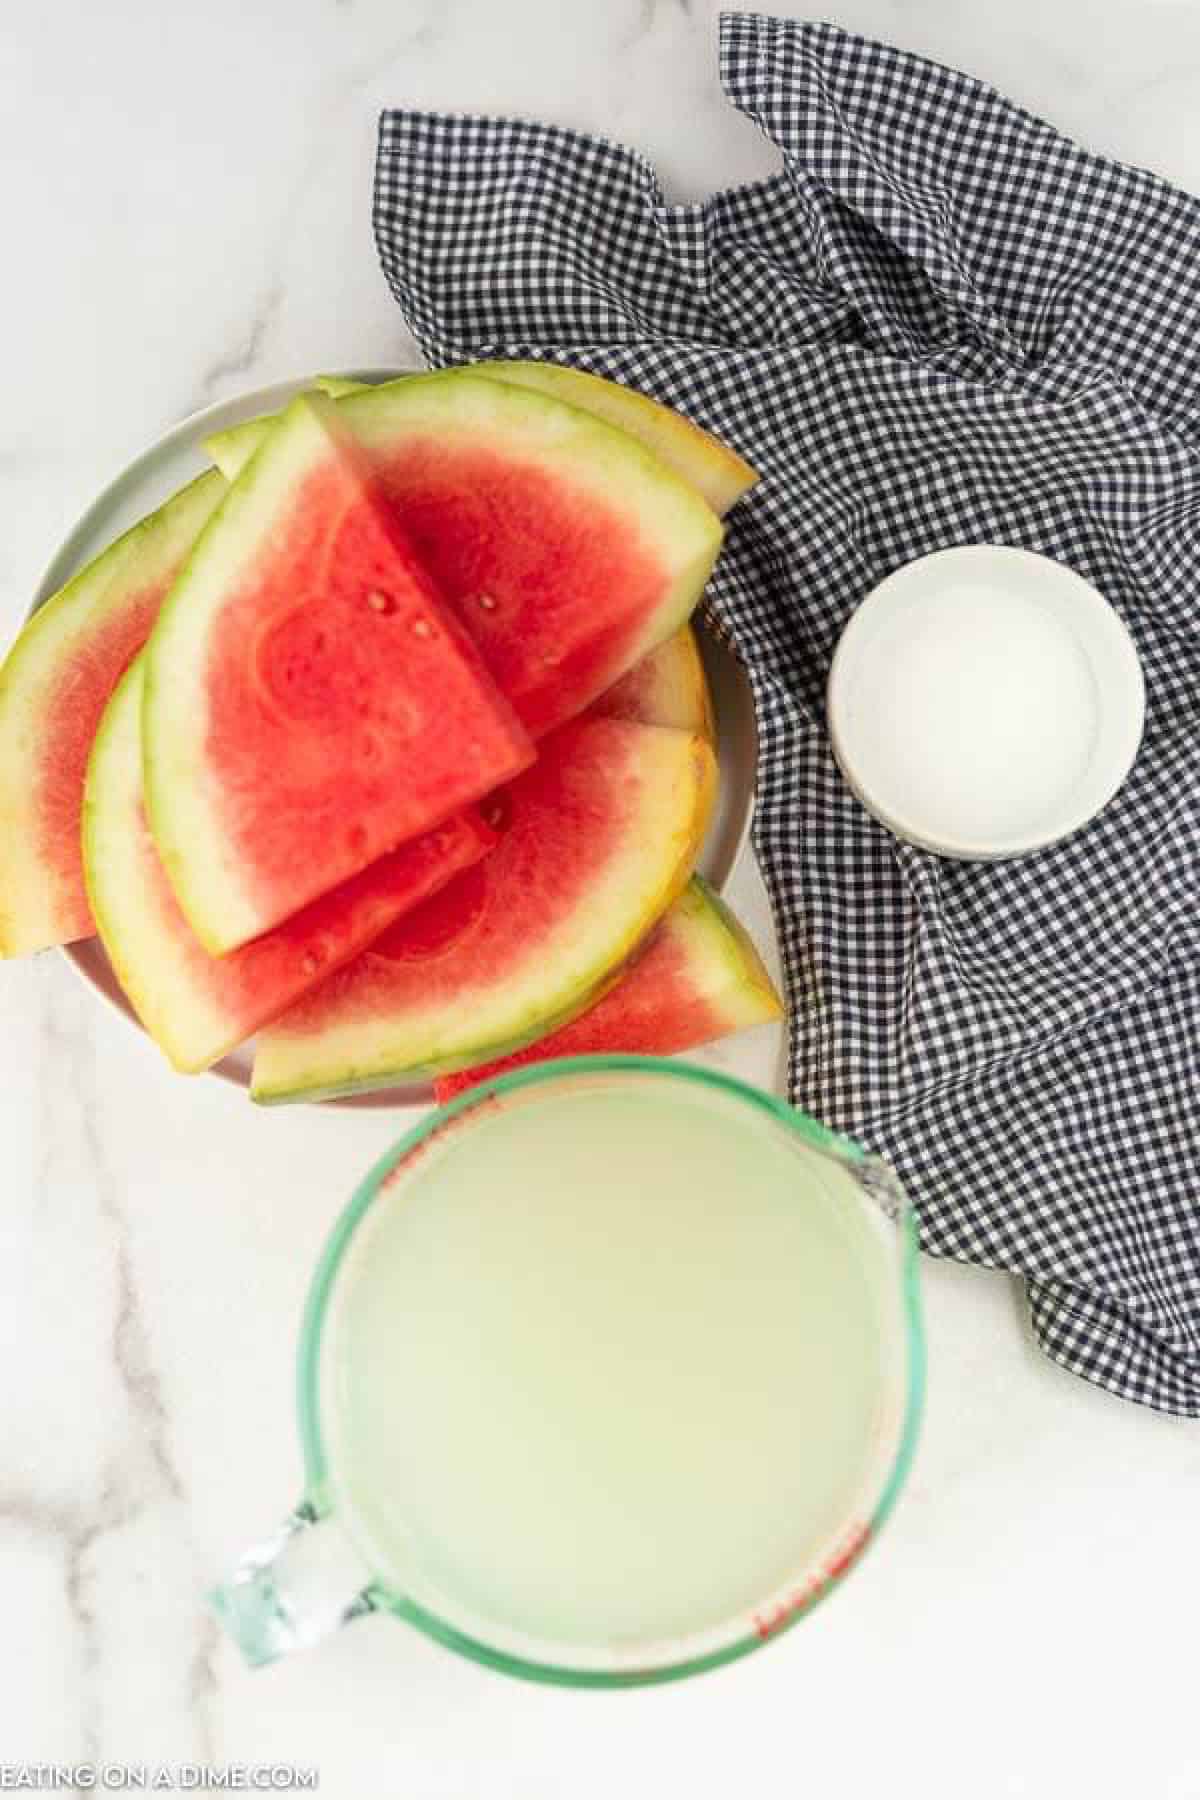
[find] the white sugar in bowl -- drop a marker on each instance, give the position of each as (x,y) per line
(985,701)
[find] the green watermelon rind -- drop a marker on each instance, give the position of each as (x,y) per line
(281,1075)
(234,446)
(338,386)
(180,997)
(737,949)
(308,1086)
(181,798)
(598,463)
(710,466)
(59,627)
(185,797)
(677,665)
(114,880)
(717,473)
(28,888)
(724,972)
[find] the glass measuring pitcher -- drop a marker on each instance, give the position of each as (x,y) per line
(609,1372)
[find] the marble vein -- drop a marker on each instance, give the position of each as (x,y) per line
(648,14)
(139,1443)
(246,354)
(73,1535)
(141,1472)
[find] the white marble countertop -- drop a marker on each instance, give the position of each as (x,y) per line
(186,209)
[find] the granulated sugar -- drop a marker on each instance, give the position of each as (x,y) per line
(975,713)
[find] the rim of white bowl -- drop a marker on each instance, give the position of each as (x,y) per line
(1112,657)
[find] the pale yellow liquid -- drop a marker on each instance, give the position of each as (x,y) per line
(606,1369)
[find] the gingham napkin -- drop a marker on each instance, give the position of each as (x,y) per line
(940,323)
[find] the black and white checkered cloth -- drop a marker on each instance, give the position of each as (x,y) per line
(940,323)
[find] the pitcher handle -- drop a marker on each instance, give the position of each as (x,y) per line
(294,1588)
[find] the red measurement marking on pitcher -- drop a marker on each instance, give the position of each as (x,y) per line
(850,1552)
(801,1597)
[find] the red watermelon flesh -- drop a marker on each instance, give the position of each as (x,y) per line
(569,547)
(309,702)
(698,978)
(54,687)
(69,726)
(522,555)
(596,840)
(198,1007)
(568,550)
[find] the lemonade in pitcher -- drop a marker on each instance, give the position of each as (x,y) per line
(612,1372)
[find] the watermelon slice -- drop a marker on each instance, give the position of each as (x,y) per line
(701,459)
(698,977)
(668,687)
(54,687)
(714,470)
(237,443)
(196,1006)
(568,550)
(597,839)
(308,704)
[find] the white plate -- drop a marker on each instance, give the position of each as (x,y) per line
(178,456)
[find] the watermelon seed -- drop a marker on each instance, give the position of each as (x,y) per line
(487,603)
(380,603)
(422,628)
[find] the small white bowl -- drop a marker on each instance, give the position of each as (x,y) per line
(984,702)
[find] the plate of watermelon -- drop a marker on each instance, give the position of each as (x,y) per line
(362,740)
